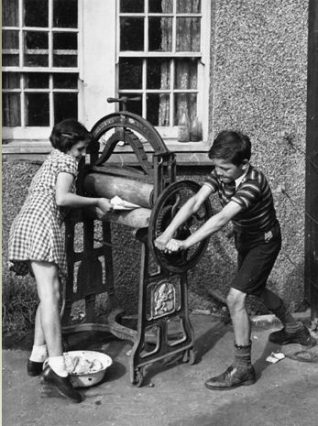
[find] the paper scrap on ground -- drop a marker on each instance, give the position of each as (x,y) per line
(275,357)
(120,204)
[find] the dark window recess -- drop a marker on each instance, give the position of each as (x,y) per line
(37,109)
(132,6)
(158,109)
(65,13)
(10,80)
(10,13)
(36,81)
(156,6)
(131,34)
(64,60)
(160,34)
(65,41)
(65,106)
(158,74)
(130,73)
(11,109)
(36,13)
(65,81)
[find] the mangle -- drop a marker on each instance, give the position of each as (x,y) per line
(151,183)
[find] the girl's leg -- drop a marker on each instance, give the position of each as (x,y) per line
(39,350)
(46,276)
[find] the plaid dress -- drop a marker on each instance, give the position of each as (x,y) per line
(36,232)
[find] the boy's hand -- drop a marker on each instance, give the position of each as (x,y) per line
(161,242)
(105,205)
(175,245)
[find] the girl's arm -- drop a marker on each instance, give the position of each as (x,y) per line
(190,207)
(65,198)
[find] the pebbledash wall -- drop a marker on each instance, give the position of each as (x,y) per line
(259,80)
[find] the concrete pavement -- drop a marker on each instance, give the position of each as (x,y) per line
(285,394)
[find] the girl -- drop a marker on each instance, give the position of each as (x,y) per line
(36,244)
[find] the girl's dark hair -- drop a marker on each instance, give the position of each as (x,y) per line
(67,133)
(234,147)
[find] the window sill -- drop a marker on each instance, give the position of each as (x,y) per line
(188,153)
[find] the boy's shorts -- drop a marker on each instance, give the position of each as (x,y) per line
(256,257)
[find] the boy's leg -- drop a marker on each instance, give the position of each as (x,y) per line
(293,331)
(241,372)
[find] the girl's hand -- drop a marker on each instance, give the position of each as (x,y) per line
(105,205)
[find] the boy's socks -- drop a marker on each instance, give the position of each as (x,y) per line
(242,356)
(57,363)
(286,318)
(39,353)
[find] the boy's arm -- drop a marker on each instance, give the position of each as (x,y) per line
(214,224)
(190,207)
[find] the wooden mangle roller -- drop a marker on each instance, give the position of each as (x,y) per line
(152,186)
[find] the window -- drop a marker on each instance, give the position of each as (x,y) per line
(160,59)
(40,62)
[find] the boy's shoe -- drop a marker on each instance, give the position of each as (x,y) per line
(232,378)
(301,336)
(62,384)
(34,368)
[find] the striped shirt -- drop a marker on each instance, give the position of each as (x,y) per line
(253,194)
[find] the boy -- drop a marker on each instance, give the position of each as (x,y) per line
(247,201)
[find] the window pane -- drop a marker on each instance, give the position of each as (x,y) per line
(36,81)
(10,13)
(188,35)
(158,109)
(10,80)
(10,39)
(65,106)
(185,74)
(65,13)
(185,102)
(37,109)
(131,6)
(131,34)
(10,60)
(160,34)
(188,6)
(65,81)
(130,73)
(35,48)
(36,13)
(158,74)
(67,41)
(11,110)
(133,106)
(159,6)
(64,47)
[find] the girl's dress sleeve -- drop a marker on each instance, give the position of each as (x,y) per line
(68,164)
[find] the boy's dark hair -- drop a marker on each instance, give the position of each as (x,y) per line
(234,147)
(67,133)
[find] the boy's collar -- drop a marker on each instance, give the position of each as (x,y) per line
(240,179)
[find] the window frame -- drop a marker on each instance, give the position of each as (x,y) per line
(39,132)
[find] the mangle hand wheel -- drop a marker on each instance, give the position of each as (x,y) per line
(168,204)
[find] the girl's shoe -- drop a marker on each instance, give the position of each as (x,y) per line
(34,368)
(62,384)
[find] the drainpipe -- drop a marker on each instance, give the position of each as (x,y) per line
(311,196)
